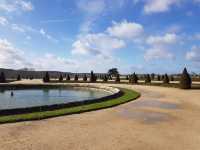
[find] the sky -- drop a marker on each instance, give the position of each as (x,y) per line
(142,36)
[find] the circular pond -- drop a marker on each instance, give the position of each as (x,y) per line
(25,98)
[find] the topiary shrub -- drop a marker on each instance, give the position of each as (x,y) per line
(158,78)
(147,79)
(152,76)
(19,78)
(171,78)
(117,79)
(76,77)
(93,78)
(133,79)
(46,78)
(85,78)
(60,78)
(68,77)
(127,77)
(166,79)
(105,79)
(185,81)
(2,78)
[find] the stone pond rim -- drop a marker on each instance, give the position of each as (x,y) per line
(114,93)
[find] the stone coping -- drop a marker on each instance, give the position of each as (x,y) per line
(114,93)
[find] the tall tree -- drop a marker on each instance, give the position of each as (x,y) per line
(113,72)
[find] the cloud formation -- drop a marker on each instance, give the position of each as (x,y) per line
(125,30)
(15,5)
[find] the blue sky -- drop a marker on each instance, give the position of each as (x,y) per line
(160,36)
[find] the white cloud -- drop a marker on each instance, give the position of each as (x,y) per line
(49,37)
(156,6)
(156,53)
(17,28)
(10,57)
(125,30)
(53,62)
(3,21)
(169,38)
(15,5)
(25,5)
(96,44)
(193,54)
(92,7)
(159,46)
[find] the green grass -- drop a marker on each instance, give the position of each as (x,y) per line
(128,95)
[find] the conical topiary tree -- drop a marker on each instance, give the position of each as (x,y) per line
(18,77)
(46,78)
(117,79)
(133,79)
(127,77)
(68,77)
(76,77)
(171,78)
(152,76)
(158,78)
(85,78)
(60,78)
(166,79)
(93,78)
(105,78)
(147,79)
(2,78)
(185,81)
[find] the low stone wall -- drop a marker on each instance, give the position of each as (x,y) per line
(114,93)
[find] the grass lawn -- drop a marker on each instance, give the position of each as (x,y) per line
(128,95)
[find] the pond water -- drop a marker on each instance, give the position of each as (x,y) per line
(40,97)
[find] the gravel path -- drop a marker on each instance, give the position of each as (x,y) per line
(162,119)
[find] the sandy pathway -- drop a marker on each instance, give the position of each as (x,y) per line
(162,119)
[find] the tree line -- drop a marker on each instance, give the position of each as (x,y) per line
(184,83)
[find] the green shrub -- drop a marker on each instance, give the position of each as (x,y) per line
(185,81)
(147,79)
(166,79)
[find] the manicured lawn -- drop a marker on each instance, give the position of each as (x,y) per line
(128,95)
